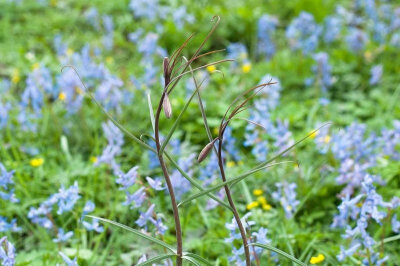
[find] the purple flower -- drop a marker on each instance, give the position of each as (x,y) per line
(286,196)
(127,180)
(7,252)
(68,261)
(94,226)
(376,74)
(136,199)
(156,184)
(62,237)
(145,216)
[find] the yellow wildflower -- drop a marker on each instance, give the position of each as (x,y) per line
(62,96)
(70,51)
(15,76)
(36,162)
(109,59)
(257,192)
(35,66)
(211,69)
(246,68)
(230,164)
(318,259)
(266,207)
(262,200)
(253,205)
(78,90)
(313,134)
(93,159)
(53,3)
(327,139)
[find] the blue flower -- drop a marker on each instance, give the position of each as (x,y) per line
(62,237)
(8,226)
(356,39)
(265,31)
(7,252)
(68,261)
(4,109)
(145,216)
(286,196)
(332,28)
(376,74)
(303,33)
(395,224)
(94,226)
(6,180)
(156,184)
(136,199)
(127,180)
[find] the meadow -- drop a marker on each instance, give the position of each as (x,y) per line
(151,132)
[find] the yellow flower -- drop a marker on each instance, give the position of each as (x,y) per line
(109,59)
(327,139)
(70,51)
(211,69)
(15,76)
(266,207)
(262,200)
(253,205)
(93,159)
(36,162)
(53,3)
(246,68)
(317,259)
(313,134)
(62,96)
(78,90)
(230,164)
(257,192)
(35,66)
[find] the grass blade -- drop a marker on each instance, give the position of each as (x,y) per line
(151,111)
(227,182)
(191,260)
(136,232)
(156,259)
(280,252)
(195,183)
(198,257)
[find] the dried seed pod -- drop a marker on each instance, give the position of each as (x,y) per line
(167,77)
(167,106)
(206,150)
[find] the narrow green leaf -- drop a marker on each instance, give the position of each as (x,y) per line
(191,260)
(151,111)
(197,257)
(227,182)
(195,183)
(289,148)
(280,252)
(136,232)
(156,259)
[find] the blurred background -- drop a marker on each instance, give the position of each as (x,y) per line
(334,61)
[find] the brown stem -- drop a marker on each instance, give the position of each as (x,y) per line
(169,185)
(232,204)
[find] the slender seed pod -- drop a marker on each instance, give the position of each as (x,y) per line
(206,150)
(167,74)
(167,106)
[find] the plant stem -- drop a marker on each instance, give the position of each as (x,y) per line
(169,185)
(232,204)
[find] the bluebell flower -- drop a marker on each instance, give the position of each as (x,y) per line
(62,237)
(148,9)
(89,207)
(145,216)
(356,39)
(332,28)
(286,196)
(181,16)
(109,28)
(6,226)
(94,226)
(92,17)
(7,252)
(6,181)
(66,198)
(129,179)
(376,74)
(68,261)
(114,147)
(395,224)
(156,183)
(4,110)
(344,253)
(182,185)
(303,33)
(265,33)
(136,199)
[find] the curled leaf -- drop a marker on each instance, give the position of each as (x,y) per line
(206,150)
